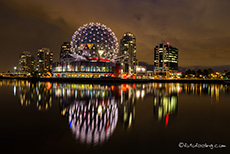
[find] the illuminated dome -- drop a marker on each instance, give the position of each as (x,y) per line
(95,41)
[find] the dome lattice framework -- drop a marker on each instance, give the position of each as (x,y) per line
(95,41)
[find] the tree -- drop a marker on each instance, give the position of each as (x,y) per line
(187,72)
(205,72)
(199,72)
(210,71)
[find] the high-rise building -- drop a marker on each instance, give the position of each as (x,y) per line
(128,49)
(165,59)
(44,60)
(65,49)
(26,62)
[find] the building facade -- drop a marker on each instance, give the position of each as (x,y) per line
(128,49)
(70,66)
(165,59)
(65,49)
(44,60)
(26,62)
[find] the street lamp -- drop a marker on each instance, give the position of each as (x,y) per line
(15,69)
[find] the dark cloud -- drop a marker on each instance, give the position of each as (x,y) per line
(199,28)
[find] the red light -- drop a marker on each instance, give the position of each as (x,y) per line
(167,43)
(134,86)
(101,59)
(167,120)
(107,125)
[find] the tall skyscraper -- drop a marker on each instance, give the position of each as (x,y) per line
(128,49)
(165,59)
(44,60)
(65,49)
(26,62)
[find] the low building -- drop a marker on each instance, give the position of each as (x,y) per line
(141,71)
(69,66)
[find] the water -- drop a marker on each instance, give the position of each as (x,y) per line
(128,118)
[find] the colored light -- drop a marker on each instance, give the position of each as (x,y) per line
(134,86)
(123,87)
(167,120)
(107,126)
(70,124)
(99,110)
(48,85)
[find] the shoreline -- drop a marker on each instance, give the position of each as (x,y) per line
(117,80)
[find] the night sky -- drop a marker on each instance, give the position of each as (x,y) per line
(198,28)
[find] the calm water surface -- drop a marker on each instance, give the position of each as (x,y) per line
(49,117)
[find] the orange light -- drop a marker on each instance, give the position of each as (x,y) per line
(124,76)
(123,87)
(112,87)
(48,85)
(48,75)
(134,76)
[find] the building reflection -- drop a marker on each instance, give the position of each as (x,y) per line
(127,105)
(94,111)
(165,102)
(213,90)
(39,93)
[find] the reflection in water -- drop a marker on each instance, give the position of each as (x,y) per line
(93,110)
(165,101)
(38,93)
(127,105)
(93,123)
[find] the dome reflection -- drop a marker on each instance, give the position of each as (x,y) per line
(93,123)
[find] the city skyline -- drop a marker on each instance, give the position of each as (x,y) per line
(192,27)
